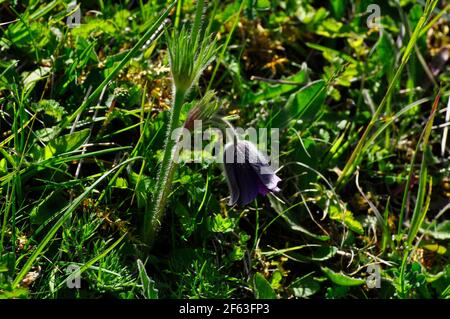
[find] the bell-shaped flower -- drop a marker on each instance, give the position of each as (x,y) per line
(248,173)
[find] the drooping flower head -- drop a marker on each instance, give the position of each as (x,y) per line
(248,172)
(203,110)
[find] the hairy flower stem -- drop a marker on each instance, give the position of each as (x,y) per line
(153,217)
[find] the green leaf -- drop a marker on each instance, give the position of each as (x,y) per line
(439,249)
(338,8)
(330,54)
(30,79)
(318,254)
(285,213)
(262,288)
(324,253)
(341,279)
(440,231)
(336,292)
(148,285)
(142,187)
(47,207)
(19,293)
(62,144)
(423,192)
(121,183)
(385,52)
(262,4)
(3,166)
(269,92)
(276,279)
(51,108)
(98,26)
(309,98)
(346,217)
(304,287)
(220,224)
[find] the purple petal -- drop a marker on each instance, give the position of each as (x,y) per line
(248,173)
(261,166)
(262,189)
(248,184)
(270,181)
(230,172)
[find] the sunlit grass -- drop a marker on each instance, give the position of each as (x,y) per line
(87,172)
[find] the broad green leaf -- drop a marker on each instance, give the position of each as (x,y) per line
(385,52)
(304,287)
(62,144)
(31,78)
(262,288)
(309,98)
(336,292)
(97,26)
(121,183)
(341,279)
(275,281)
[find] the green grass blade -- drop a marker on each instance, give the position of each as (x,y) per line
(150,32)
(420,208)
(65,216)
(356,156)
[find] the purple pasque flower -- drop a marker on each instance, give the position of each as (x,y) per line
(248,172)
